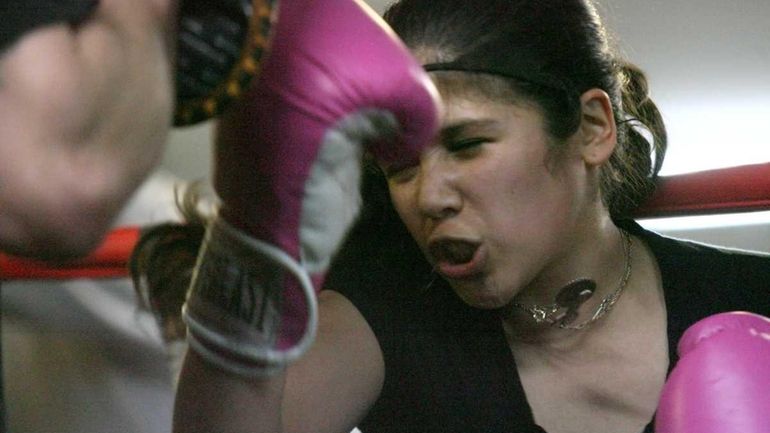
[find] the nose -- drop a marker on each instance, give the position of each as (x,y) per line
(437,194)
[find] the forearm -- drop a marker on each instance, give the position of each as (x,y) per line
(286,171)
(211,400)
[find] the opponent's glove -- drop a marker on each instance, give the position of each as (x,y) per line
(336,82)
(722,380)
(220,44)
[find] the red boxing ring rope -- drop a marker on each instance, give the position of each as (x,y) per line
(743,188)
(735,189)
(109,260)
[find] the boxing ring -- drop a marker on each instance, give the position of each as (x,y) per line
(740,189)
(726,190)
(79,355)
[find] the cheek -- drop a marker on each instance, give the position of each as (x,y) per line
(403,203)
(525,199)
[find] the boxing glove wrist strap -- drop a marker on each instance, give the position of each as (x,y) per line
(233,309)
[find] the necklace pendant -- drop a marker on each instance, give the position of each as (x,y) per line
(570,298)
(574,294)
(567,318)
(564,311)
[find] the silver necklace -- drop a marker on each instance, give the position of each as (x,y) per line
(564,311)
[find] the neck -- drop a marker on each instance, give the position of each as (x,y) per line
(598,254)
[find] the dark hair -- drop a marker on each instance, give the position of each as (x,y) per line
(162,262)
(549,52)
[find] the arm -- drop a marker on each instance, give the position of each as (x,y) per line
(336,83)
(85,111)
(328,390)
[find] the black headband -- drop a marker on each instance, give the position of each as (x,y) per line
(540,79)
(565,89)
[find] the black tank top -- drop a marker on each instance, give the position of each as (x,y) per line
(448,367)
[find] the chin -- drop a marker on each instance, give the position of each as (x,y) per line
(480,295)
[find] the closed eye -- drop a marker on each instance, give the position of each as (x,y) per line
(466,147)
(400,173)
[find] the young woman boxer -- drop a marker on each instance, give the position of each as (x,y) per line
(495,281)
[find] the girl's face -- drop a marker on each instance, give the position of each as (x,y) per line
(492,204)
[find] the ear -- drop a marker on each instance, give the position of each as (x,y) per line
(597,127)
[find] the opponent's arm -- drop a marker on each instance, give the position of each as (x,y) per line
(85,108)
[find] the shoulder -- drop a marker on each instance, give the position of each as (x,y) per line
(692,252)
(698,276)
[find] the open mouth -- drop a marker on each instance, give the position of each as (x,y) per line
(455,258)
(452,251)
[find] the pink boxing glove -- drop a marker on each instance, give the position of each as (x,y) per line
(335,83)
(722,381)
